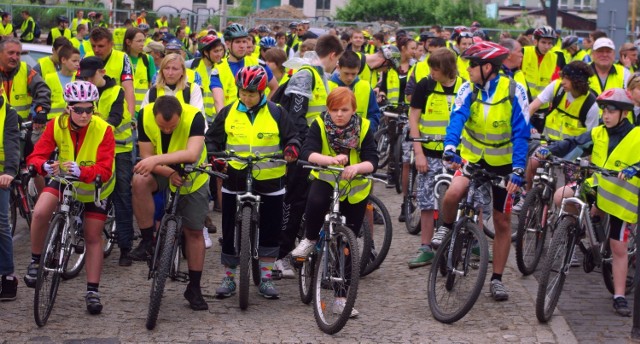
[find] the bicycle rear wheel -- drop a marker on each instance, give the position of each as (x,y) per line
(109,232)
(384,146)
(397,162)
(245,257)
(452,296)
(49,272)
(305,278)
(381,235)
(162,268)
(531,232)
(555,267)
(607,271)
(336,281)
(364,246)
(411,209)
(14,200)
(74,261)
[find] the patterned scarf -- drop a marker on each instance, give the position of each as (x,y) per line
(342,139)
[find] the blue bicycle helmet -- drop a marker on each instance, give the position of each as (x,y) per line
(267,42)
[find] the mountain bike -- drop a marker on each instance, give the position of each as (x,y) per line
(62,239)
(394,129)
(456,278)
(24,194)
(377,224)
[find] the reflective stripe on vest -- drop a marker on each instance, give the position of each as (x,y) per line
(58,105)
(538,76)
(393,86)
(614,80)
(86,156)
(488,136)
(356,190)
(118,38)
(435,116)
(249,139)
(141,82)
(123,133)
(615,196)
(207,95)
(362,91)
(318,103)
(564,121)
(20,99)
(179,138)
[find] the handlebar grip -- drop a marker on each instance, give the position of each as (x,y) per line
(382,176)
(303,163)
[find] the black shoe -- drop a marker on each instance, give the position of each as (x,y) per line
(31,276)
(142,252)
(211,228)
(196,301)
(621,307)
(125,259)
(93,302)
(9,288)
(402,217)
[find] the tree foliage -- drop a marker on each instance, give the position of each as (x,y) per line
(416,12)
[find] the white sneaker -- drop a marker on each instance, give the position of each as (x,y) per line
(518,206)
(338,307)
(438,236)
(207,238)
(303,249)
(286,269)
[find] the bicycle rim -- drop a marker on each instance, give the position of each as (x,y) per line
(452,296)
(336,279)
(245,257)
(382,138)
(381,235)
(305,278)
(48,278)
(411,209)
(109,233)
(162,268)
(531,232)
(553,272)
(74,262)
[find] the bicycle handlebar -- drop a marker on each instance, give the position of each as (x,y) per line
(226,155)
(426,139)
(472,170)
(337,171)
(202,168)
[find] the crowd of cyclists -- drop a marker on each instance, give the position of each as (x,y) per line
(135,104)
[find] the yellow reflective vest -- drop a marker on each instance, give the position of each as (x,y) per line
(58,105)
(122,133)
(538,76)
(207,95)
(118,38)
(564,121)
(318,102)
(463,64)
(141,82)
(47,66)
(55,33)
(20,98)
(83,46)
(435,116)
(615,79)
(228,80)
(362,90)
(114,65)
(75,23)
(393,86)
(30,36)
(3,113)
(6,30)
(367,74)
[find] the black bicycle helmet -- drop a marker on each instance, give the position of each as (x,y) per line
(62,19)
(234,31)
(617,97)
(263,29)
(544,32)
(569,41)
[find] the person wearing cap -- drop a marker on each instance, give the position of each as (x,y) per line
(162,22)
(617,195)
(59,31)
(571,48)
(606,74)
(50,64)
(118,34)
(142,18)
(143,65)
(117,63)
(156,51)
(69,64)
(292,34)
(113,108)
(628,57)
(6,26)
(79,19)
(79,42)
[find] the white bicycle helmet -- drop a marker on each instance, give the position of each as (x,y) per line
(80,92)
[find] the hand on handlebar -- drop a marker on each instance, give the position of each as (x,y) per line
(452,160)
(291,153)
(5,181)
(52,168)
(628,173)
(218,164)
(516,180)
(339,159)
(349,172)
(542,152)
(72,168)
(175,179)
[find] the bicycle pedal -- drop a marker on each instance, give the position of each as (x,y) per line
(182,277)
(78,248)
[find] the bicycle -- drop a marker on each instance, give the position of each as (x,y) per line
(247,231)
(380,227)
(577,230)
(455,280)
(332,263)
(167,248)
(24,194)
(390,137)
(410,201)
(61,239)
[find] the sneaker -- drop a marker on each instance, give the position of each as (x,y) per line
(284,266)
(438,236)
(303,249)
(338,307)
(403,216)
(32,275)
(498,291)
(425,256)
(93,302)
(196,301)
(518,206)
(268,289)
(125,259)
(621,307)
(227,288)
(210,226)
(475,251)
(575,262)
(9,288)
(143,251)
(207,238)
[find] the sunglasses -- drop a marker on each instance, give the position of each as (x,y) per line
(466,34)
(474,64)
(608,107)
(82,110)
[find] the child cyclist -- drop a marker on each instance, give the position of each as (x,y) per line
(611,146)
(86,149)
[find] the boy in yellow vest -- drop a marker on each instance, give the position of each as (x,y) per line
(69,64)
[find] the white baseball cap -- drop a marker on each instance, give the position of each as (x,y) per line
(603,42)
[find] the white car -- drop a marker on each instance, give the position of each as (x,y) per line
(32,52)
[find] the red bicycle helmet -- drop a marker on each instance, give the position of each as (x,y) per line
(252,78)
(206,43)
(486,52)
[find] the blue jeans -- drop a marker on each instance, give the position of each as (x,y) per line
(6,242)
(122,200)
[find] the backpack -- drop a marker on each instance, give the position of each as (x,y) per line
(586,106)
(145,61)
(279,97)
(37,32)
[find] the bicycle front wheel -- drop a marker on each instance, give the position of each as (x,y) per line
(397,162)
(245,257)
(411,209)
(336,281)
(381,235)
(452,295)
(162,268)
(531,232)
(384,146)
(49,271)
(305,278)
(555,267)
(74,260)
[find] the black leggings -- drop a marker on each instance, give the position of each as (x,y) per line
(318,203)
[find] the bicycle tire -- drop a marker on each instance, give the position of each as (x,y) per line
(48,278)
(255,262)
(449,285)
(531,233)
(162,270)
(73,263)
(411,209)
(13,209)
(557,261)
(305,278)
(384,148)
(397,162)
(245,257)
(342,253)
(441,190)
(109,231)
(365,243)
(175,259)
(386,229)
(607,272)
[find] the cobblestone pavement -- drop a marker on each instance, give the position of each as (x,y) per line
(392,303)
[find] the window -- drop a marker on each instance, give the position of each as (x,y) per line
(297,3)
(582,4)
(199,1)
(323,4)
(563,4)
